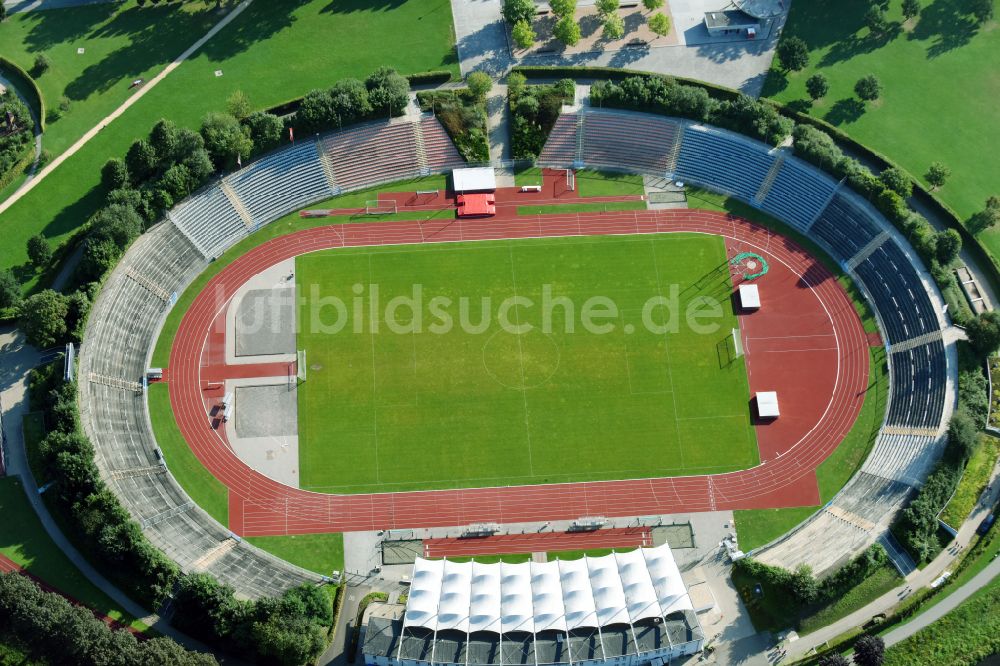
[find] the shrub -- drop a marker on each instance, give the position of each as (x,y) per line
(816,146)
(947,245)
(141,160)
(114,174)
(614,27)
(911,8)
(479,84)
(349,101)
(10,289)
(652,5)
(984,333)
(265,130)
(563,7)
(388,91)
(757,119)
(225,140)
(238,105)
(869,651)
(315,112)
(793,54)
(937,174)
(606,7)
(876,21)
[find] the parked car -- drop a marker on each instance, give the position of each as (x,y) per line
(985,526)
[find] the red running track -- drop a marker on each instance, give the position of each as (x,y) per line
(539,542)
(786,476)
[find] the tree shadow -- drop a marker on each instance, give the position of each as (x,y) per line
(350,6)
(776,81)
(57,26)
(859,45)
(800,105)
(258,23)
(847,110)
(822,23)
(946,25)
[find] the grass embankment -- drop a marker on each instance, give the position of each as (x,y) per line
(963,637)
(245,51)
(25,541)
(321,553)
(974,480)
(486,406)
(583,207)
(956,59)
(760,526)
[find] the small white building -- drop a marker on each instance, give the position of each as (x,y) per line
(749,297)
(767,404)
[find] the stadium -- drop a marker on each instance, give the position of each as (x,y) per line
(609,401)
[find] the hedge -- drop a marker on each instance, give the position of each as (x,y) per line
(427,78)
(990,264)
(26,86)
(22,164)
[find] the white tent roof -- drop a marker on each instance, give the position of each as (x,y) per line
(767,404)
(475,179)
(533,597)
(749,296)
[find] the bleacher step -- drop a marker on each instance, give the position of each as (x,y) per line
(166,515)
(850,517)
(133,472)
(115,382)
(148,284)
(213,555)
(237,203)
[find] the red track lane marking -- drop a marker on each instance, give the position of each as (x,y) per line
(266,507)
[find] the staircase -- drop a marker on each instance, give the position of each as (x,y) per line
(238,205)
(579,139)
(772,174)
(151,286)
(418,140)
(327,165)
(116,382)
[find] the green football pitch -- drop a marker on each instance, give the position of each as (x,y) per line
(615,379)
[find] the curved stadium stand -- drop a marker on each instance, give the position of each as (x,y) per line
(126,318)
(904,298)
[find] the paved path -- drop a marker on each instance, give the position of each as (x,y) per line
(142,90)
(498,121)
(942,608)
(16,359)
(916,580)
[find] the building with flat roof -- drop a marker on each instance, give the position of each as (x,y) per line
(630,608)
(730,21)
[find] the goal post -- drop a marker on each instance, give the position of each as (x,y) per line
(376,207)
(300,364)
(737,343)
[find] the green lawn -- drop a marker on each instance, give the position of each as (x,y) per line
(974,479)
(871,588)
(207,492)
(940,81)
(583,207)
(493,407)
(963,637)
(591,183)
(274,53)
(121,41)
(322,553)
(24,540)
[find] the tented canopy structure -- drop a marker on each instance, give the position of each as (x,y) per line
(563,595)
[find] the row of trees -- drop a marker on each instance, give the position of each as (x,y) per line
(661,94)
(384,93)
(462,113)
(520,14)
(50,628)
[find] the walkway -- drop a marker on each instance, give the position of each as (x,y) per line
(16,359)
(916,580)
(142,90)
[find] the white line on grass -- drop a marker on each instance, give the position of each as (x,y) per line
(520,358)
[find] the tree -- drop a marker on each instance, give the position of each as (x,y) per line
(869,651)
(793,54)
(817,86)
(896,180)
(388,91)
(987,218)
(937,174)
(515,84)
(803,585)
(349,101)
(911,8)
(834,660)
(614,27)
(41,64)
(606,7)
(479,84)
(563,7)
(265,130)
(165,139)
(984,333)
(114,174)
(10,289)
(3,12)
(39,251)
(963,438)
(523,34)
(868,88)
(141,160)
(567,31)
(42,317)
(981,9)
(652,5)
(947,245)
(659,23)
(238,105)
(225,139)
(315,113)
(876,21)
(518,10)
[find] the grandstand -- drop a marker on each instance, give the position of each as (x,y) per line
(878,258)
(129,311)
